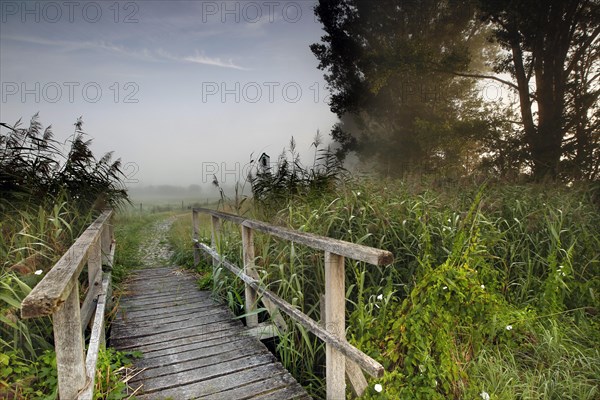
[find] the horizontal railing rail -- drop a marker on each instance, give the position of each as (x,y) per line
(57,295)
(342,359)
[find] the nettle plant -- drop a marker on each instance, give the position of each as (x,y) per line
(452,312)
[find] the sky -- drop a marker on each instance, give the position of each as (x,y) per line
(179,90)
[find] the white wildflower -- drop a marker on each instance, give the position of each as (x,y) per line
(358,193)
(378,388)
(483,286)
(485,395)
(380,297)
(445,288)
(509,327)
(39,272)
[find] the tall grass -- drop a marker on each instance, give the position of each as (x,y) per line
(528,255)
(49,196)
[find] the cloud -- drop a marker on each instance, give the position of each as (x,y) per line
(157,55)
(214,61)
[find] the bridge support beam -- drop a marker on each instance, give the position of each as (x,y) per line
(68,342)
(251,296)
(335,323)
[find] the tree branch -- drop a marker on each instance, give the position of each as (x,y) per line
(482,76)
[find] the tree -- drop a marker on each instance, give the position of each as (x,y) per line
(385,64)
(552,54)
(374,53)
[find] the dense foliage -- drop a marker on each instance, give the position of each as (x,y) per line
(34,169)
(404,77)
(49,197)
(493,290)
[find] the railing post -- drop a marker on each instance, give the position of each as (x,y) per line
(251,296)
(215,243)
(68,342)
(106,240)
(94,264)
(335,323)
(196,234)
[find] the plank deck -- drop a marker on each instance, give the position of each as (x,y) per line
(193,347)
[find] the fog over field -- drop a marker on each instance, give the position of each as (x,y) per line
(180,90)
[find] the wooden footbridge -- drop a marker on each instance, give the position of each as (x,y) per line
(192,347)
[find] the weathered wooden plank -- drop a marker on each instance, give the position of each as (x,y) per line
(179,296)
(198,333)
(68,342)
(155,272)
(355,376)
(249,293)
(169,318)
(195,351)
(195,231)
(142,273)
(162,302)
(183,375)
(335,323)
(139,316)
(107,243)
(200,340)
(125,315)
(166,277)
(350,250)
(216,324)
(222,215)
(144,289)
(191,352)
(239,386)
(109,266)
(94,262)
(198,360)
(264,330)
(369,365)
(96,340)
(246,390)
(142,319)
(274,313)
(141,296)
(53,290)
(163,298)
(135,331)
(215,242)
(285,393)
(89,303)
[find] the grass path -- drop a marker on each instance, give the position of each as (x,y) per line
(154,249)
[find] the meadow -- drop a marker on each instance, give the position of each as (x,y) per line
(493,290)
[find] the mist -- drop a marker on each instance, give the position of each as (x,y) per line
(179,90)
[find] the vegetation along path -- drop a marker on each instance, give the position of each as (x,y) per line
(192,346)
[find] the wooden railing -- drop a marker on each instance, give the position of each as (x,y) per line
(341,357)
(58,295)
